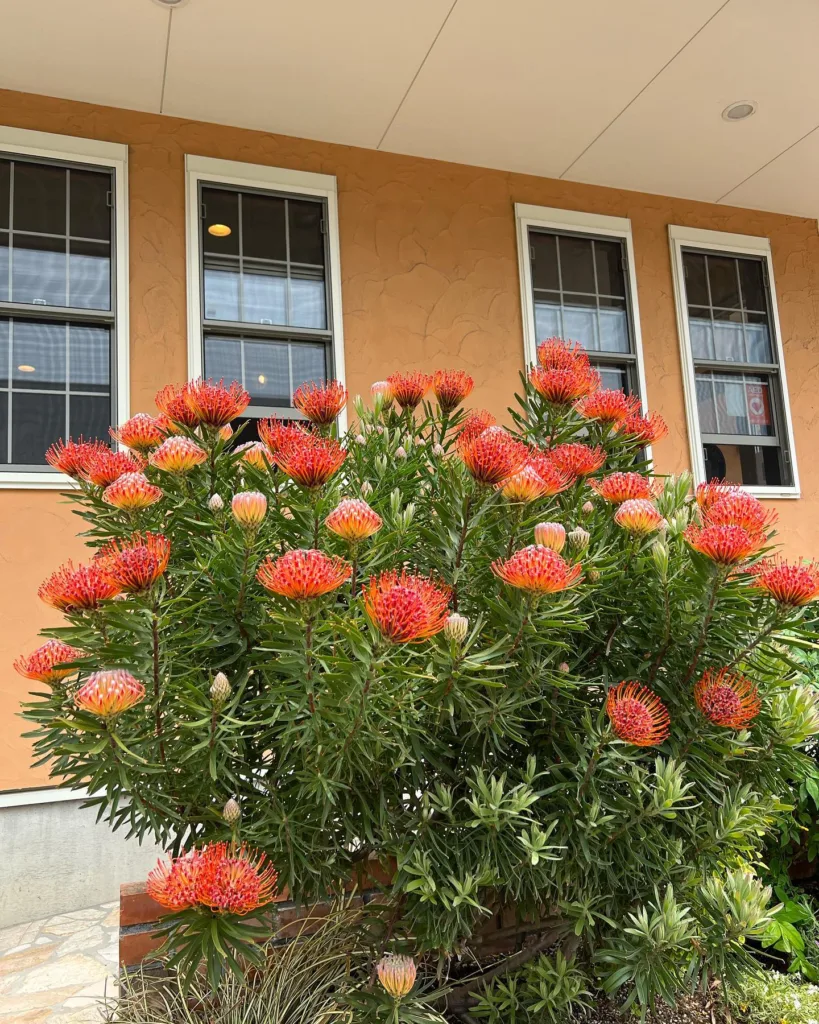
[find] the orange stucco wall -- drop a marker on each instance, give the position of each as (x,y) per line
(430,278)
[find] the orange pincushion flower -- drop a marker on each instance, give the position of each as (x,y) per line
(408,389)
(493,455)
(738,508)
(406,607)
(256,454)
(475,424)
(523,486)
(611,407)
(354,520)
(396,973)
(171,402)
(551,535)
(141,432)
(727,698)
(451,387)
(131,492)
(712,492)
(645,429)
(619,487)
(790,585)
(538,570)
(47,663)
(382,389)
(109,693)
(637,715)
(77,588)
(303,574)
(215,404)
(564,386)
(72,457)
(321,403)
(104,466)
(249,509)
(554,478)
(311,461)
(178,455)
(725,545)
(577,459)
(136,564)
(233,880)
(172,883)
(276,433)
(638,516)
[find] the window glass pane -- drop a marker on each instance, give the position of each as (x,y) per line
(263,287)
(696,285)
(221,208)
(267,372)
(753,284)
(306,239)
(613,325)
(547,321)
(89,275)
(263,228)
(221,281)
(89,359)
(90,416)
(39,198)
(576,264)
(90,214)
(37,422)
(702,333)
(735,403)
(580,320)
(722,275)
(307,307)
(309,363)
(5,178)
(757,338)
(223,358)
(751,465)
(544,261)
(38,357)
(4,266)
(38,270)
(4,427)
(729,337)
(4,353)
(612,378)
(609,259)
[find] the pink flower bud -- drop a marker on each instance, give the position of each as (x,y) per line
(249,509)
(456,628)
(563,666)
(588,508)
(215,503)
(550,535)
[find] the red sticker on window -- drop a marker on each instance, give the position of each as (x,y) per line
(759,410)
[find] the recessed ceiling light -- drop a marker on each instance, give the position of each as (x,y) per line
(219,230)
(25,368)
(739,111)
(262,378)
(171,3)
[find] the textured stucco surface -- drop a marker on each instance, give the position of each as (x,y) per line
(429,277)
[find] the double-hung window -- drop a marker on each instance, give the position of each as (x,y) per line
(732,359)
(577,283)
(263,280)
(59,297)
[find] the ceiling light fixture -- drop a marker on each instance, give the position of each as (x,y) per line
(26,368)
(739,111)
(171,3)
(219,230)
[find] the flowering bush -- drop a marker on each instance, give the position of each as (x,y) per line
(510,666)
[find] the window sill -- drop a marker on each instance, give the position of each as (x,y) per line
(774,493)
(18,481)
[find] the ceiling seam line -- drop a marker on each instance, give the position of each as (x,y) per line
(653,79)
(417,73)
(165,62)
(768,163)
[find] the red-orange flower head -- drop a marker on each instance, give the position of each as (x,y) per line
(555,479)
(72,457)
(727,698)
(637,715)
(233,880)
(47,663)
(321,403)
(172,403)
(303,574)
(109,693)
(408,389)
(172,883)
(104,466)
(551,535)
(382,390)
(620,487)
(77,588)
(276,433)
(136,564)
(131,492)
(256,454)
(311,461)
(537,570)
(610,407)
(739,508)
(725,545)
(140,433)
(451,387)
(406,607)
(638,516)
(712,492)
(563,373)
(354,520)
(249,509)
(645,429)
(178,455)
(523,486)
(215,404)
(493,455)
(578,459)
(790,585)
(474,425)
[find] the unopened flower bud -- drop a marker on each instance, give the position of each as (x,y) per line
(659,552)
(249,509)
(360,439)
(366,489)
(588,508)
(579,539)
(219,691)
(456,628)
(232,812)
(419,442)
(379,430)
(396,974)
(563,666)
(381,392)
(400,452)
(677,523)
(358,405)
(215,503)
(226,432)
(438,450)
(592,575)
(550,535)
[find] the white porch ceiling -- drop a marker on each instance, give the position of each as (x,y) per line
(626,94)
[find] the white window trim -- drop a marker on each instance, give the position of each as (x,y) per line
(230,172)
(739,245)
(114,156)
(49,795)
(573,220)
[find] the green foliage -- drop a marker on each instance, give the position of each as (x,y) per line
(548,988)
(764,997)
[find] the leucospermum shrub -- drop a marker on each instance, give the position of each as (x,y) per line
(508,665)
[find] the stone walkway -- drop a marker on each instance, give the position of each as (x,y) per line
(57,970)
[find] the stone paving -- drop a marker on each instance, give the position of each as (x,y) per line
(56,971)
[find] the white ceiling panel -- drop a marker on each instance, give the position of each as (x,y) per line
(102,51)
(673,140)
(320,70)
(789,184)
(527,84)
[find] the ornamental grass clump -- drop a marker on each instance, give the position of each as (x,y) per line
(504,669)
